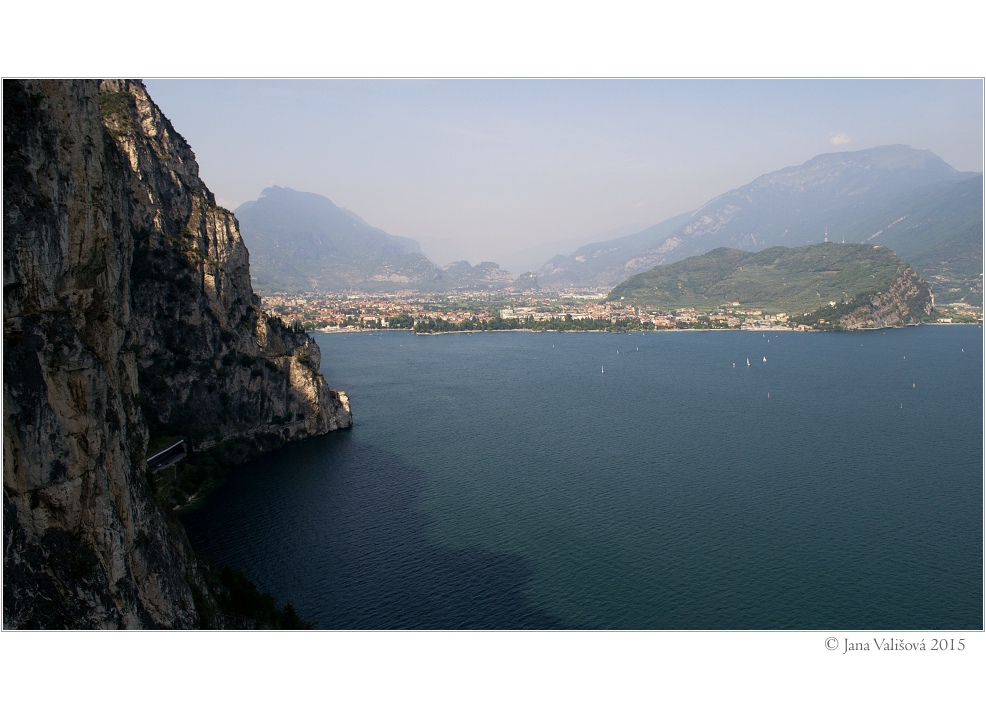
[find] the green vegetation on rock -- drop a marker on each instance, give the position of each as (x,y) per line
(114,109)
(241,600)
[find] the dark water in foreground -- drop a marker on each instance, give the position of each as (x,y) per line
(504,481)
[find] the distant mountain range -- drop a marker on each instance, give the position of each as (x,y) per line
(908,200)
(300,241)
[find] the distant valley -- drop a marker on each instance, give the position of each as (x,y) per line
(907,200)
(303,242)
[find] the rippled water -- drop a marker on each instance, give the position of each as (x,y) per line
(506,481)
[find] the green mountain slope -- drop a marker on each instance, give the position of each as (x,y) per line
(939,231)
(779,279)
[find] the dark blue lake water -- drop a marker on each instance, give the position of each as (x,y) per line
(506,481)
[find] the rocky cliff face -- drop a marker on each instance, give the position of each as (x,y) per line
(905,302)
(127,299)
(212,365)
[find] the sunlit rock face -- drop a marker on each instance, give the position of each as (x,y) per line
(212,364)
(905,302)
(127,299)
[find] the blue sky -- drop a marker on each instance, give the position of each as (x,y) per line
(484,169)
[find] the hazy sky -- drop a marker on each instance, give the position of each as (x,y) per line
(482,169)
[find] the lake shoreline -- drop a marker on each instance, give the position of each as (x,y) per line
(632,332)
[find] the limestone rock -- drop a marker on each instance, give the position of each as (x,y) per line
(905,302)
(126,298)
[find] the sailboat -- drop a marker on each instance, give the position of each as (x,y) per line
(764,359)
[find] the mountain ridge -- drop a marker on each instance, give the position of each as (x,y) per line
(829,196)
(863,196)
(302,241)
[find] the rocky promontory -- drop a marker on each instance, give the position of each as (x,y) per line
(824,286)
(128,313)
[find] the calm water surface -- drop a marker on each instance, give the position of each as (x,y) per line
(506,481)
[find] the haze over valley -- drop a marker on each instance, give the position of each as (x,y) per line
(479,170)
(908,200)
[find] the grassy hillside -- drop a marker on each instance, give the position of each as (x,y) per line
(778,279)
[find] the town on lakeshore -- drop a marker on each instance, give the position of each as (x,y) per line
(566,310)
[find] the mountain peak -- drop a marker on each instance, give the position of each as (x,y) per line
(847,170)
(897,156)
(288,195)
(302,241)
